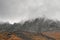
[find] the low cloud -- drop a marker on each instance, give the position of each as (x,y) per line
(16,10)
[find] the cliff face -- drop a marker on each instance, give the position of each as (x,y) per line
(37,25)
(37,29)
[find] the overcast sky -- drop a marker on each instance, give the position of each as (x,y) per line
(17,10)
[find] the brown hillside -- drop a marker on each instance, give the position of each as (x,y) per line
(55,35)
(29,36)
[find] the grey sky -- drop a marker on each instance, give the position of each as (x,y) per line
(17,10)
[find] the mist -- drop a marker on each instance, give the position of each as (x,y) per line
(21,10)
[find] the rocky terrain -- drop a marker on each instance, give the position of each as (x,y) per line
(35,29)
(25,36)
